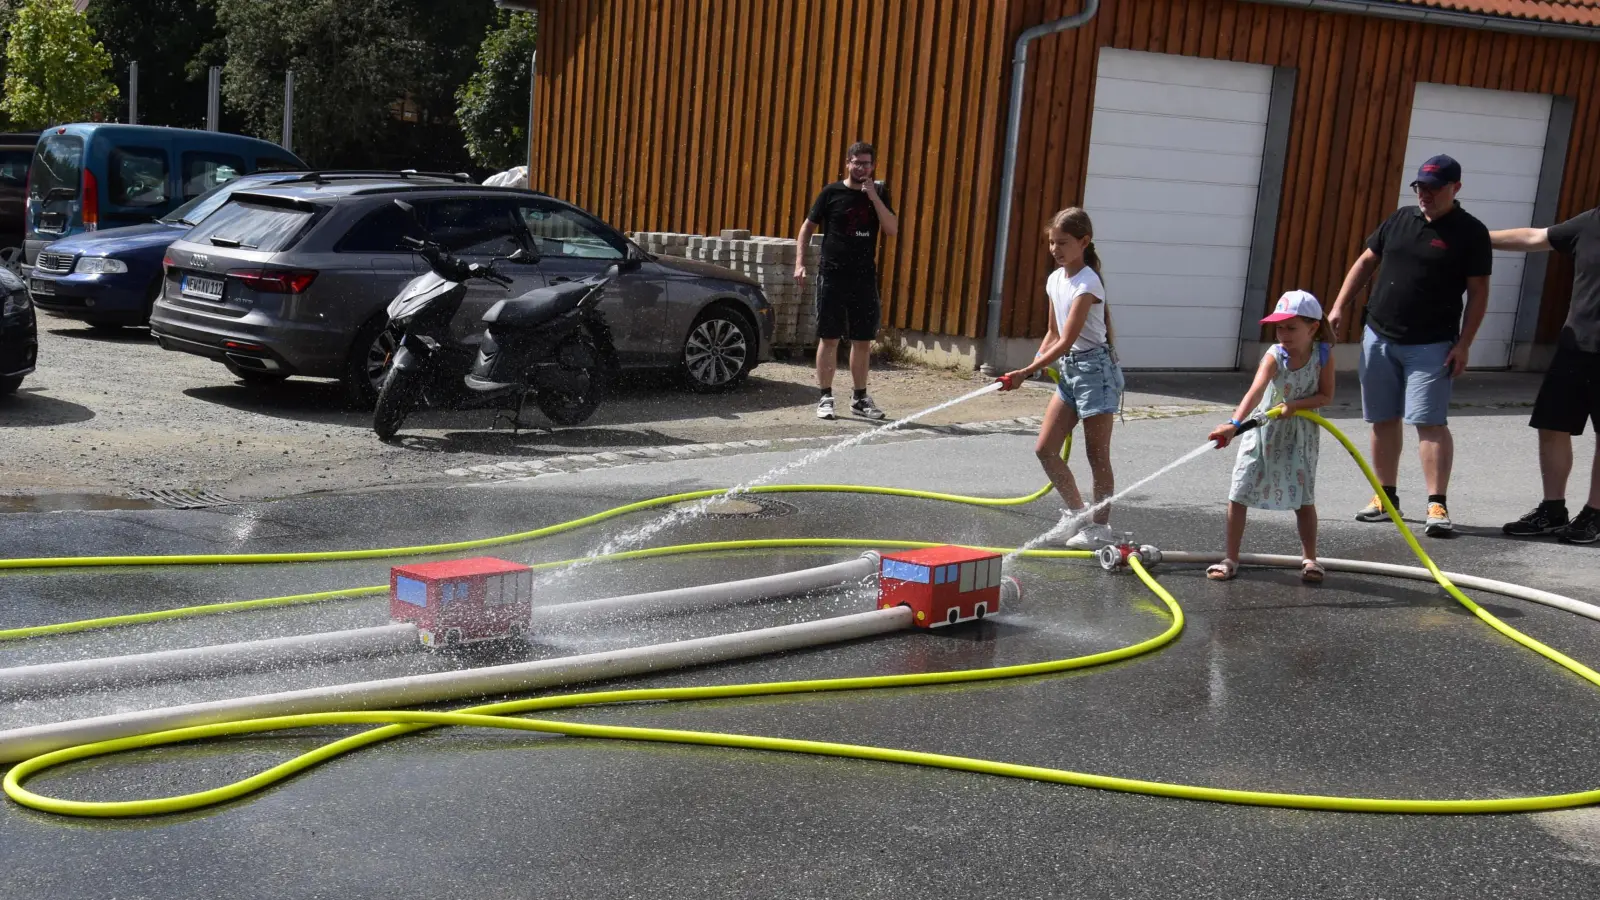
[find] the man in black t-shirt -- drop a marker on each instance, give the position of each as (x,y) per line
(1416,341)
(1570,395)
(849,213)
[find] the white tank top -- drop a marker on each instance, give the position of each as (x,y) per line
(1063,289)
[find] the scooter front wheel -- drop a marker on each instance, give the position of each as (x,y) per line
(582,383)
(401,393)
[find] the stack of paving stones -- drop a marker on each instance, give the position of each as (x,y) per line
(768,261)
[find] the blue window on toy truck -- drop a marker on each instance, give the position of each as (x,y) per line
(904,571)
(411,591)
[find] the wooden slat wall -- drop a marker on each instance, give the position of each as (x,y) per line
(1352,111)
(684,115)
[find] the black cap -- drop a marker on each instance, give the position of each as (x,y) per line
(1438,172)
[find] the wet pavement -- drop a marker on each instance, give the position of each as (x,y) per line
(1361,686)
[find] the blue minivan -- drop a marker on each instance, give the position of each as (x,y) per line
(91,176)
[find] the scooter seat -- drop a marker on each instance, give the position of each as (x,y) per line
(537,306)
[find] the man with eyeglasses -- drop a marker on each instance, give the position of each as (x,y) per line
(849,213)
(1416,339)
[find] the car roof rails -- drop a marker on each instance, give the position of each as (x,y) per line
(320,176)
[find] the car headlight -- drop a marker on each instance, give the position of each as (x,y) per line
(100,265)
(16,301)
(9,281)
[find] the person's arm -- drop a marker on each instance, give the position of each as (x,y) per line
(1224,433)
(1324,394)
(1477,305)
(1055,344)
(887,220)
(1360,273)
(1523,240)
(807,229)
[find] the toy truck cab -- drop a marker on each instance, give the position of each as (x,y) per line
(462,601)
(943,585)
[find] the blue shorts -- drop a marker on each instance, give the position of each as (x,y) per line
(1091,382)
(1408,380)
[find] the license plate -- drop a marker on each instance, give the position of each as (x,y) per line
(204,288)
(42,288)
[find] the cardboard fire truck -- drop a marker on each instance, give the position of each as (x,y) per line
(462,601)
(943,585)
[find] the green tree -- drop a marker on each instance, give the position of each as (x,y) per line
(55,70)
(352,59)
(169,39)
(493,109)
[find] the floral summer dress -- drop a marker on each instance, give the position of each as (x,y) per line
(1277,465)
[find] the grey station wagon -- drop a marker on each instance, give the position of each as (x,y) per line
(295,280)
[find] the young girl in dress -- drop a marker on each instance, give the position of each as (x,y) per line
(1078,340)
(1277,466)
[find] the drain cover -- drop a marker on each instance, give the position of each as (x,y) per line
(183,499)
(739,507)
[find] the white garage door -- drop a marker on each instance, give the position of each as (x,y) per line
(1498,137)
(1174,162)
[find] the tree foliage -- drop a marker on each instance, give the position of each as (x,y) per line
(170,40)
(493,104)
(352,60)
(55,70)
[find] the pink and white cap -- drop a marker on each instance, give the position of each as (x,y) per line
(1295,303)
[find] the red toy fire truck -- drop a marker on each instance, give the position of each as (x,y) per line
(944,585)
(462,601)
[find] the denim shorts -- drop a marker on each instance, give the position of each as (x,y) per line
(1091,382)
(1408,380)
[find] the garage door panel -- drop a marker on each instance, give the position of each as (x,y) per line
(1176,247)
(1164,321)
(1476,159)
(1471,128)
(1202,229)
(1473,101)
(1122,129)
(1498,137)
(1212,292)
(1116,95)
(1152,196)
(1172,259)
(1167,70)
(1176,353)
(1217,168)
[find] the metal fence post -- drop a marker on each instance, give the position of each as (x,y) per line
(214,99)
(288,112)
(133,93)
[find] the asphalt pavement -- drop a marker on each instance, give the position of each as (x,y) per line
(1361,686)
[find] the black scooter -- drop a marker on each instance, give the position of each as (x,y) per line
(551,344)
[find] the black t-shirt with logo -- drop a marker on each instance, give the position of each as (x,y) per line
(1416,298)
(1580,238)
(849,225)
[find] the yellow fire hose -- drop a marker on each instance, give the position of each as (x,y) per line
(500,715)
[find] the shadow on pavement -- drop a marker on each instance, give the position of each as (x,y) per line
(125,335)
(637,397)
(30,408)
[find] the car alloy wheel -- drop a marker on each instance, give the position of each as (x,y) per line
(716,352)
(379,355)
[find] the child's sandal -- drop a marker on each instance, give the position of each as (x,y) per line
(1311,571)
(1223,571)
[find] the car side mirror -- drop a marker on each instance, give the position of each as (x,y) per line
(631,264)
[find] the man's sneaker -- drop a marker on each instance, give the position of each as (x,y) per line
(825,408)
(1439,524)
(1540,521)
(865,408)
(1092,537)
(1373,512)
(1585,528)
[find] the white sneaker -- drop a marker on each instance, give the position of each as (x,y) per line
(1092,537)
(825,408)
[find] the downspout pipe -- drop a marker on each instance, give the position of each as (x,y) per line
(1414,12)
(1008,174)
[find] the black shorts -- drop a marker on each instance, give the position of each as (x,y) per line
(847,306)
(1570,394)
